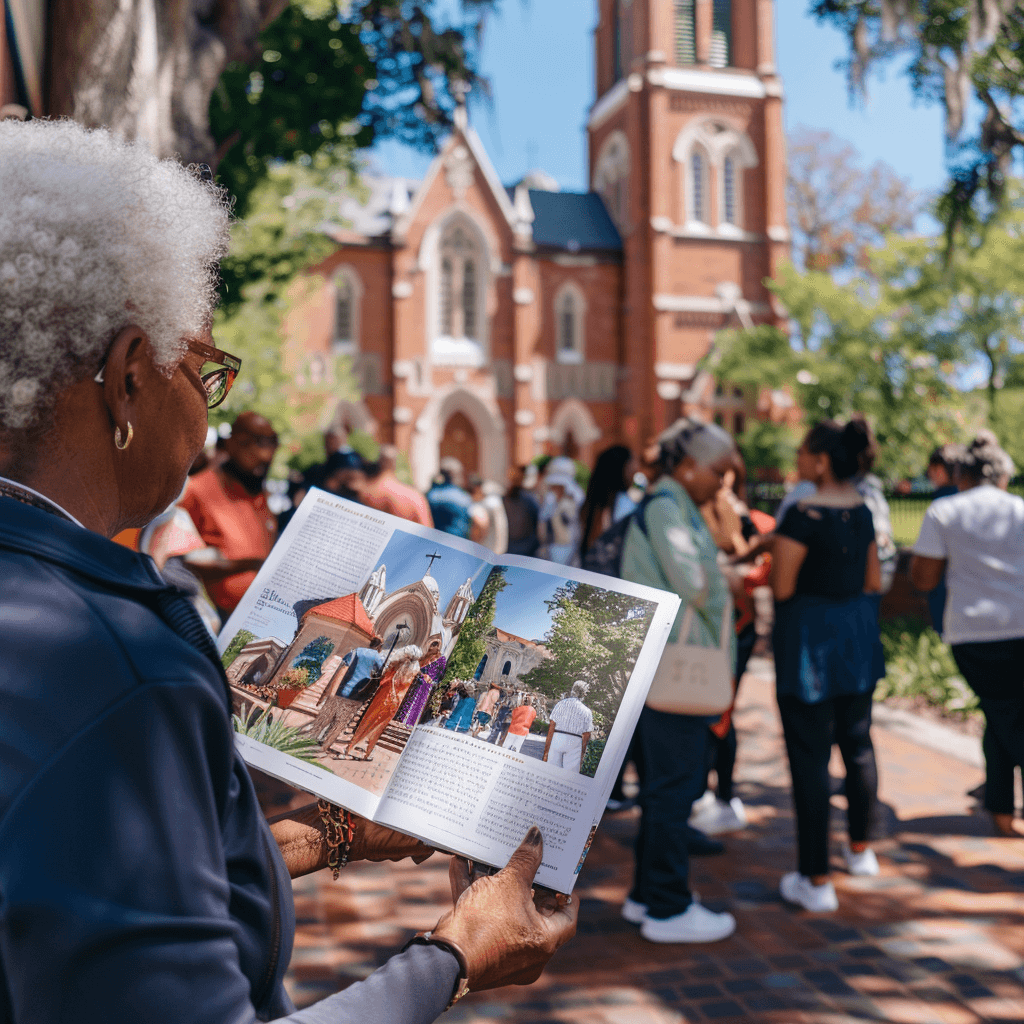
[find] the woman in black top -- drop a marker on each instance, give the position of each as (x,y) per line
(827,654)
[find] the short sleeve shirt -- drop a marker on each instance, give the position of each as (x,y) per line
(837,542)
(522,719)
(571,715)
(238,524)
(980,534)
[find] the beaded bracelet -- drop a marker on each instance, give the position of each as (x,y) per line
(340,830)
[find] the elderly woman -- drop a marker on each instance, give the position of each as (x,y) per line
(669,546)
(140,881)
(976,538)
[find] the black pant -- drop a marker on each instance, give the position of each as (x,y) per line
(636,755)
(810,730)
(673,749)
(995,671)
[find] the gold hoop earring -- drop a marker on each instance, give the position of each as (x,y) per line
(127,441)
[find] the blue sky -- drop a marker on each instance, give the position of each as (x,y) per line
(520,607)
(538,55)
(406,561)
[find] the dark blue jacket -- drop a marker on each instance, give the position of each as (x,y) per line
(138,878)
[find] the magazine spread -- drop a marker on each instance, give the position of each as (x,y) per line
(444,691)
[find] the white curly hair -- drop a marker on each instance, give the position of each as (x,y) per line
(96,234)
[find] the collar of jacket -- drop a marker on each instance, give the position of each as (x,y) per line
(48,537)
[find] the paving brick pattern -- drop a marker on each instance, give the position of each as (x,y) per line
(937,938)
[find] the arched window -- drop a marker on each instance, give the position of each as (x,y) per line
(570,308)
(611,178)
(447,304)
(686,32)
(480,668)
(469,298)
(712,155)
(347,294)
(459,285)
(729,205)
(720,52)
(506,668)
(699,187)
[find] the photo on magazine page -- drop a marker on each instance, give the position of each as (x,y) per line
(346,688)
(540,667)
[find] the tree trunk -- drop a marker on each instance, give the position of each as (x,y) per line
(146,68)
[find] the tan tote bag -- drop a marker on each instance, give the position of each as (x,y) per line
(694,680)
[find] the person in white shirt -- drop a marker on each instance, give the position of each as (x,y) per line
(569,731)
(977,538)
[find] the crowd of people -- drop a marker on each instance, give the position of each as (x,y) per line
(181,897)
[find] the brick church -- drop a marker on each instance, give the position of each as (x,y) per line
(496,323)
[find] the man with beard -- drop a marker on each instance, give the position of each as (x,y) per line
(228,504)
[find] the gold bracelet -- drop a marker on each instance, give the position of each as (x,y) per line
(340,830)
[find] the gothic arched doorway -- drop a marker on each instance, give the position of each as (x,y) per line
(460,441)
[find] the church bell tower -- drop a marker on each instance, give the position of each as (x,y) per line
(686,147)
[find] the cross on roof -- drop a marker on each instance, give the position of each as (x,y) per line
(433,558)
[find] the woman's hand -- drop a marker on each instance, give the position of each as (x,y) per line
(377,843)
(506,931)
(301,837)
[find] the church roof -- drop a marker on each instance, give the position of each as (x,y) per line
(348,609)
(573,221)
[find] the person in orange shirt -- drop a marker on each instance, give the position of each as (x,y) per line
(386,493)
(228,504)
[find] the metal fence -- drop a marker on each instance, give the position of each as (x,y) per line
(906,510)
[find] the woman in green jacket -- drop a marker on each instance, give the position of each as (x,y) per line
(671,548)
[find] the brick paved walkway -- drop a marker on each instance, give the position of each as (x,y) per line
(938,937)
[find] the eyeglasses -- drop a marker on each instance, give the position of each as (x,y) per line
(217,381)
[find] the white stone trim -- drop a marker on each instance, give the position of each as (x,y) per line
(523,296)
(773,87)
(778,233)
(663,225)
(573,417)
(481,409)
(608,104)
(523,372)
(524,417)
(635,82)
(669,389)
(674,371)
(472,141)
(664,303)
(401,289)
(716,83)
(567,260)
(400,414)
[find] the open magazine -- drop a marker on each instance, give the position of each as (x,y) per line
(430,685)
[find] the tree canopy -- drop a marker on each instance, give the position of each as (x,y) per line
(472,642)
(839,210)
(955,52)
(595,635)
(327,73)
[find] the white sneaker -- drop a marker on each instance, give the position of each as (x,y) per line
(799,889)
(717,817)
(695,924)
(633,912)
(863,863)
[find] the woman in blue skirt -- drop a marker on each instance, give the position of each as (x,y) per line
(828,655)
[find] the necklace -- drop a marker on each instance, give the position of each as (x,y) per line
(9,489)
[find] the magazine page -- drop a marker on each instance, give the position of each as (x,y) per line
(536,708)
(317,701)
